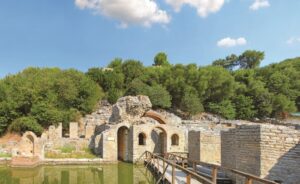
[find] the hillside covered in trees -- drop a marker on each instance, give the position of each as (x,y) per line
(234,87)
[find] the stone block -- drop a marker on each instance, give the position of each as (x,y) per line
(73,128)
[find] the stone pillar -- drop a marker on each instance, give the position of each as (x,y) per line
(59,131)
(194,145)
(89,131)
(73,128)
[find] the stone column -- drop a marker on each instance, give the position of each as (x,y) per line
(73,128)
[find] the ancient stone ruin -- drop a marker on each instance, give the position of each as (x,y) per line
(125,130)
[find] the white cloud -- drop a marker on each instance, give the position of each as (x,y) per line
(204,7)
(257,4)
(230,42)
(141,12)
(293,40)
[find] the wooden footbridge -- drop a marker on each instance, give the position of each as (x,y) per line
(174,168)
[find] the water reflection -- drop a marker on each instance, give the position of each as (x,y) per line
(121,173)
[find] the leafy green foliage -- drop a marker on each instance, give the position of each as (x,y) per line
(190,102)
(281,104)
(250,59)
(234,87)
(24,124)
(244,107)
(48,95)
(159,96)
(161,59)
(225,109)
(68,148)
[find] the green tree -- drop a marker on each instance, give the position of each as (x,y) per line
(190,102)
(229,63)
(114,94)
(225,109)
(48,95)
(215,84)
(132,69)
(24,124)
(161,59)
(115,64)
(282,104)
(251,59)
(159,96)
(244,107)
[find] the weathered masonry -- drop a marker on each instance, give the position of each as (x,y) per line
(129,134)
(268,151)
(127,129)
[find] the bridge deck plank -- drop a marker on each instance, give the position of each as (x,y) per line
(180,176)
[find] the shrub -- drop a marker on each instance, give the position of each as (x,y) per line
(24,124)
(68,148)
(224,109)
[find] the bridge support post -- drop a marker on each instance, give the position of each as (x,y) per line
(248,180)
(173,174)
(214,175)
(188,178)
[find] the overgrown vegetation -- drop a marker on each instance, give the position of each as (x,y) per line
(234,87)
(36,98)
(67,148)
(5,155)
(69,152)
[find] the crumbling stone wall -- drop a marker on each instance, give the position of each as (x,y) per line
(109,148)
(268,151)
(30,146)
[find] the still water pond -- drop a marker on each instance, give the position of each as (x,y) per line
(122,173)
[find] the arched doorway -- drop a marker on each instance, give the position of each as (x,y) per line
(30,145)
(123,143)
(159,137)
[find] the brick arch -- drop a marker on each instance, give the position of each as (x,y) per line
(156,116)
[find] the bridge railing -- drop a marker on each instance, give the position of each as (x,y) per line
(151,158)
(249,178)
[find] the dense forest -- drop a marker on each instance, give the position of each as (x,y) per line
(235,87)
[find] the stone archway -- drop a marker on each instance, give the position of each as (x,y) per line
(122,140)
(28,145)
(30,142)
(156,116)
(159,138)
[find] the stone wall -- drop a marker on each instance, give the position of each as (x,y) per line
(151,141)
(280,153)
(205,146)
(109,138)
(268,151)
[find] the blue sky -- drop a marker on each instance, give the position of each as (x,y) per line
(84,33)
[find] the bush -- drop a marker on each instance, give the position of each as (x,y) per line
(68,148)
(50,95)
(190,102)
(24,124)
(224,109)
(159,96)
(68,151)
